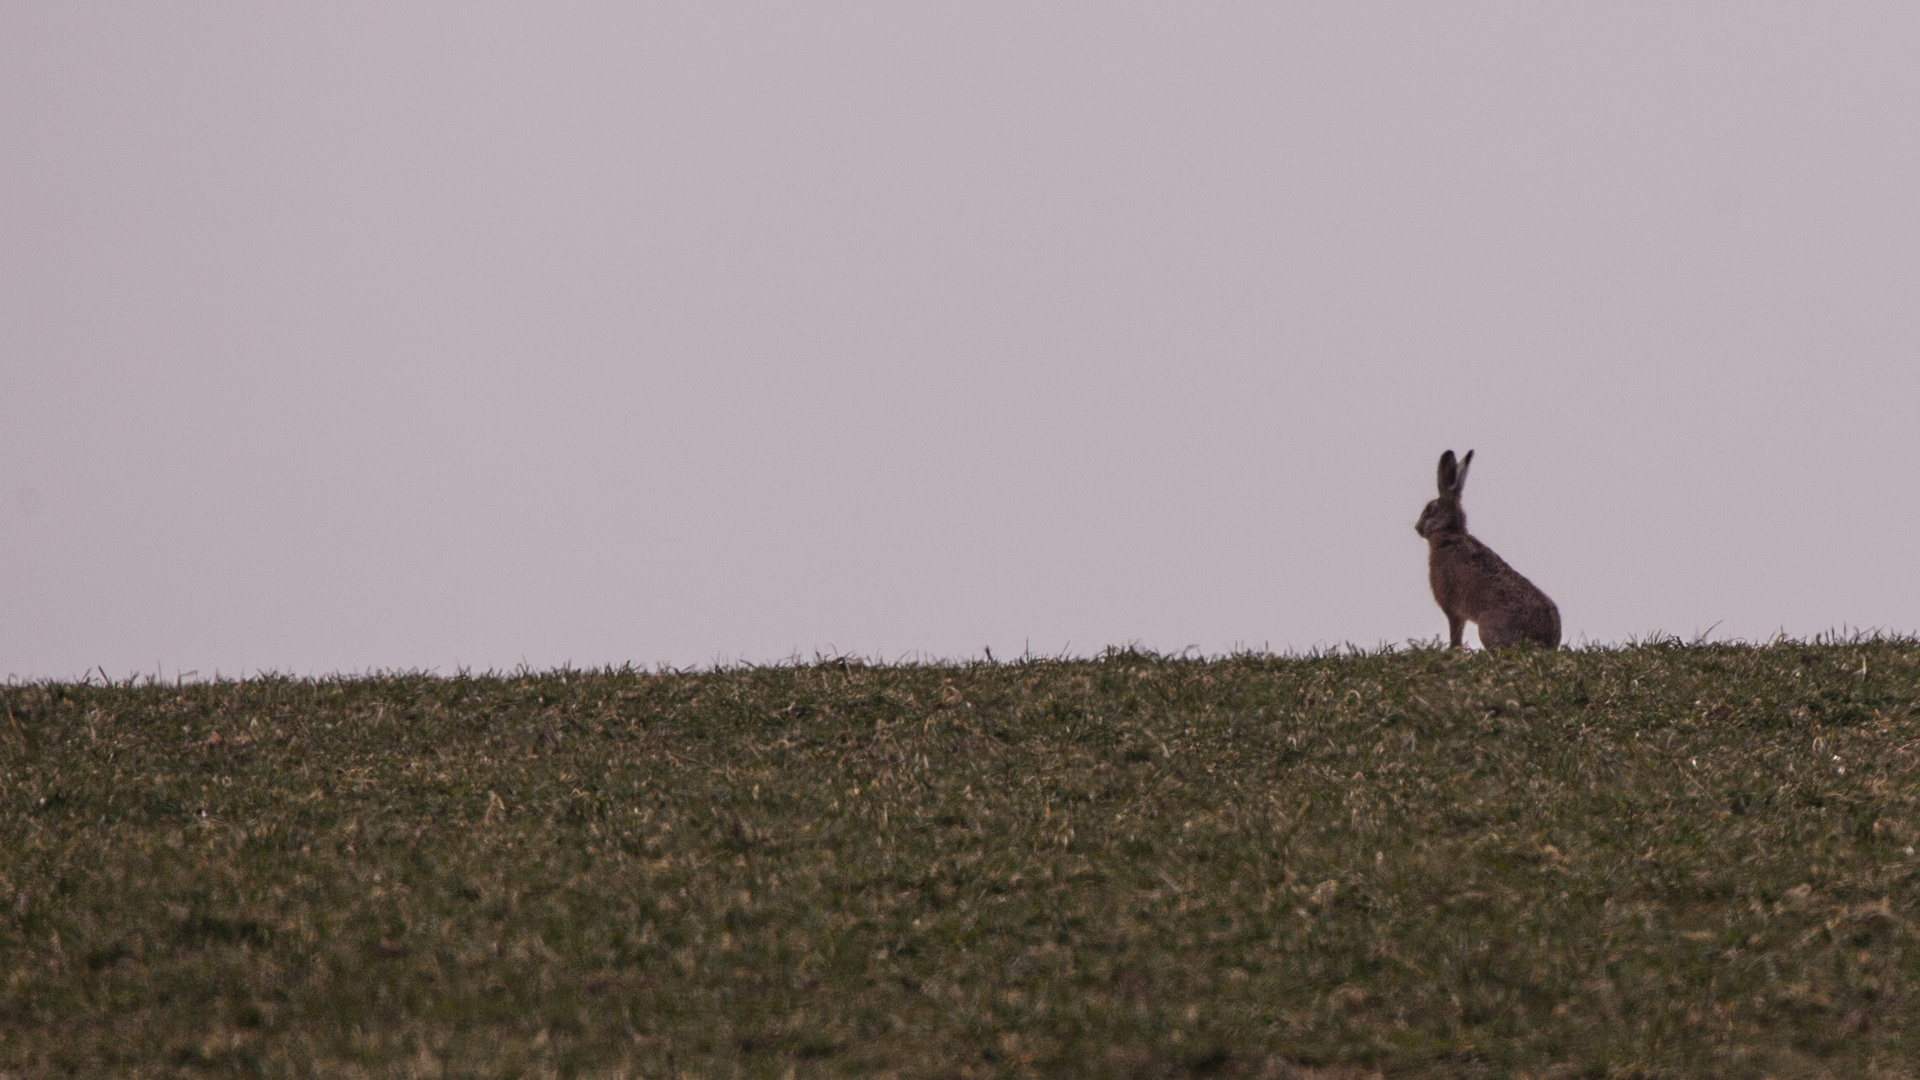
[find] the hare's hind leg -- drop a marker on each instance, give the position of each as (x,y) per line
(1507,630)
(1493,635)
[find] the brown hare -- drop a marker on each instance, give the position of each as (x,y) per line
(1473,584)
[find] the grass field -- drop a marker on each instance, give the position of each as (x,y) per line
(1657,861)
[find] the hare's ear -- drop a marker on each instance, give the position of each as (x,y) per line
(1460,481)
(1449,473)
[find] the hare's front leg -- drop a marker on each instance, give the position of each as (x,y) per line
(1455,624)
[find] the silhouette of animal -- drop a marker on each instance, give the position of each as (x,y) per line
(1471,583)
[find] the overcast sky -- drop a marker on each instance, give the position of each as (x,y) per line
(340,337)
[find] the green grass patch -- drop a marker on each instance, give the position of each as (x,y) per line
(1659,861)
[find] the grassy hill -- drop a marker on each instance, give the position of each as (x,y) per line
(1662,860)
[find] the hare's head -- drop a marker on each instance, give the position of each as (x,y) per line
(1444,515)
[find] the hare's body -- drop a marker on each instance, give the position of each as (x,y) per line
(1471,583)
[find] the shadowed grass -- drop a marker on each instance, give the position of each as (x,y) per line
(1667,860)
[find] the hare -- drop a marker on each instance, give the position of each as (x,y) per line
(1470,582)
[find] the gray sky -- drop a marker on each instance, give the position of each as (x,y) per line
(340,337)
